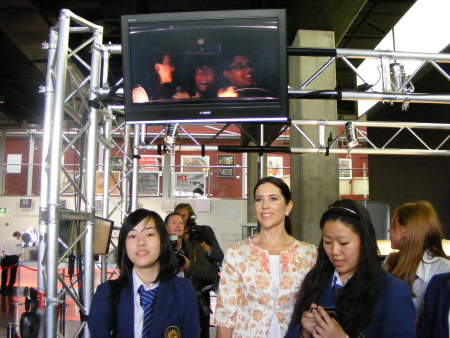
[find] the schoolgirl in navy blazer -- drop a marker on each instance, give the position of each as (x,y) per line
(144,250)
(348,277)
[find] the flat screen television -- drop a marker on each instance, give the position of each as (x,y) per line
(227,66)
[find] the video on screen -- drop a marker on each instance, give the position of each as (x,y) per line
(204,61)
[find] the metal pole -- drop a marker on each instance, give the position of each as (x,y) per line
(106,169)
(55,164)
(125,169)
(31,143)
(371,151)
(90,175)
(167,175)
(348,95)
(2,161)
(134,182)
(420,125)
(49,98)
(261,158)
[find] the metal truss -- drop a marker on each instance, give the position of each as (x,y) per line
(68,90)
(392,91)
(340,144)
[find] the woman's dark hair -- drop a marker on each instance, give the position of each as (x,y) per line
(285,191)
(167,261)
(356,302)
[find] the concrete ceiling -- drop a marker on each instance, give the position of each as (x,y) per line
(24,25)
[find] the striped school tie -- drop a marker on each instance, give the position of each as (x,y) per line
(147,299)
(335,287)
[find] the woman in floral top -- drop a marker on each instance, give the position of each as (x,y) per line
(260,275)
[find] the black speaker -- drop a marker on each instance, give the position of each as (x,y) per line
(251,133)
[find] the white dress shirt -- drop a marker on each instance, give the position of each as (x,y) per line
(138,312)
(11,246)
(428,267)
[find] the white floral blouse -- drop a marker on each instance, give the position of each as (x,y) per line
(246,302)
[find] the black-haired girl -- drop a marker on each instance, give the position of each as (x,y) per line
(347,294)
(147,300)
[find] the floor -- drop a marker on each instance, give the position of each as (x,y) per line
(12,305)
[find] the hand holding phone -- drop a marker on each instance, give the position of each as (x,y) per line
(332,311)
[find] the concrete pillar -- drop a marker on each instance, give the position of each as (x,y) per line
(314,181)
(252,178)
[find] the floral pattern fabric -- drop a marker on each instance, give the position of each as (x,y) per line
(246,301)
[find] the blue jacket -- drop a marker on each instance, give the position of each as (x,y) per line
(175,309)
(433,323)
(394,315)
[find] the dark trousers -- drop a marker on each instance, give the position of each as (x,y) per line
(204,323)
(9,263)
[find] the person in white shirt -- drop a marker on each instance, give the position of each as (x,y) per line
(417,233)
(11,251)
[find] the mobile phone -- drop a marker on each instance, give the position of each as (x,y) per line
(332,311)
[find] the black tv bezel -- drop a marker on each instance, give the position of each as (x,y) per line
(242,111)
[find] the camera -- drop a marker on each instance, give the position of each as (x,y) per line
(179,254)
(195,231)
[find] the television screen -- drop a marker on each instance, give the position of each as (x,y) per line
(227,66)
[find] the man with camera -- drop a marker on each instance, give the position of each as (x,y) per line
(204,257)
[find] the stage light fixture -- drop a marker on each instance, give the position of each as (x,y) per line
(171,134)
(350,135)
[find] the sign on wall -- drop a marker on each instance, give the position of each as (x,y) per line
(14,164)
(189,184)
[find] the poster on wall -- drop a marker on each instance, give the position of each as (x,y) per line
(194,164)
(148,184)
(151,163)
(114,178)
(189,184)
(14,164)
(275,166)
(345,168)
(65,186)
(228,162)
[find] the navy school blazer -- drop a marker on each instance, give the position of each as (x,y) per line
(175,311)
(433,322)
(394,315)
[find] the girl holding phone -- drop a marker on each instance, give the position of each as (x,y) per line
(348,278)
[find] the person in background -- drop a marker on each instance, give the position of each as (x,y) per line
(261,275)
(240,79)
(11,252)
(205,257)
(162,86)
(240,73)
(416,232)
(175,228)
(205,82)
(347,293)
(147,300)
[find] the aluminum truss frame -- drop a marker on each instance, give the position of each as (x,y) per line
(388,94)
(63,84)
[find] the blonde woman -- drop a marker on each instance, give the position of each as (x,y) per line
(417,234)
(261,275)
